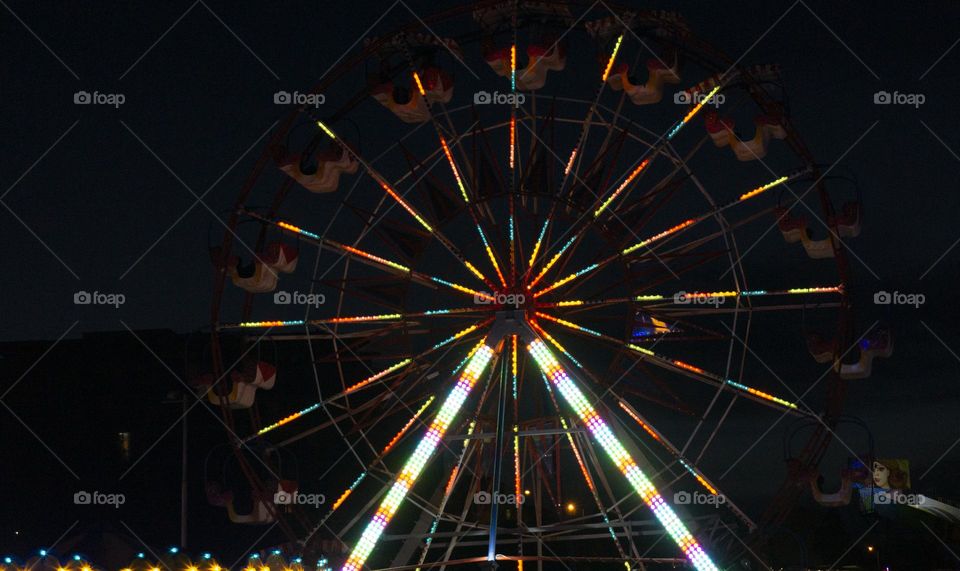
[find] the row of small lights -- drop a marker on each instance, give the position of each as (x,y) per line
(322,564)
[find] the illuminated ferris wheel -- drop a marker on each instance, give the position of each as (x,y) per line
(519,289)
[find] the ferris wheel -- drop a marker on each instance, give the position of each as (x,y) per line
(519,292)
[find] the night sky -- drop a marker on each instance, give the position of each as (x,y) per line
(97,198)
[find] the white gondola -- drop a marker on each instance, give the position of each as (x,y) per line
(794,229)
(540,60)
(408,104)
(261,279)
(647,93)
(326,177)
(767,128)
(281,257)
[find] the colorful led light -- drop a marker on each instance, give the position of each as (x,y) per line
(289,419)
(690,114)
(326,130)
(703,481)
(377,376)
(536,245)
(406,426)
(567,279)
(361,318)
(493,258)
(613,56)
(569,324)
(636,172)
(619,455)
(271,323)
(371,257)
(659,236)
(552,261)
(416,79)
(573,155)
(513,139)
(463,289)
(416,215)
(513,67)
(761,394)
(455,336)
(456,171)
(760,189)
(416,462)
(297,229)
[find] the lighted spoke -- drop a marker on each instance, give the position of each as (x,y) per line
(683,367)
(414,466)
(365,383)
(406,206)
(602,432)
(661,236)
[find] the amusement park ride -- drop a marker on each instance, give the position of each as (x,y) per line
(509,291)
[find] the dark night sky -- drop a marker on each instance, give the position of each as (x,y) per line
(99,212)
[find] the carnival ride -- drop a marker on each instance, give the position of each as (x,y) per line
(509,286)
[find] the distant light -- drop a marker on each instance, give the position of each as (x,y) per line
(255,556)
(62,569)
(214,567)
(192,568)
(86,568)
(526,492)
(8,560)
(571,507)
(76,557)
(154,569)
(276,552)
(206,556)
(174,549)
(140,555)
(43,553)
(298,560)
(870,548)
